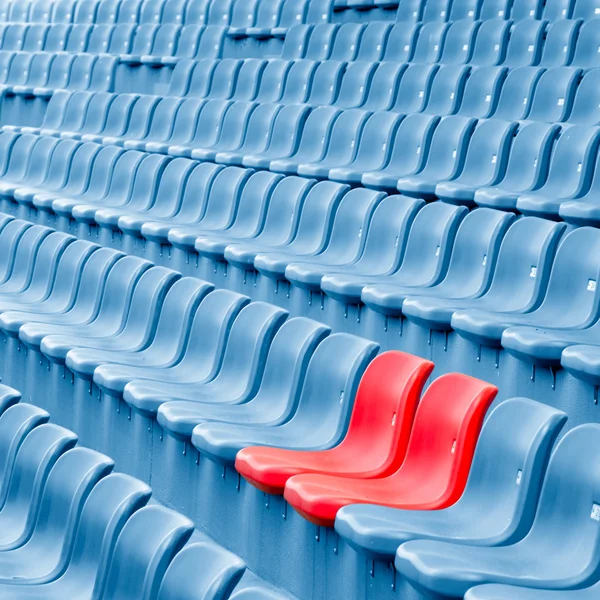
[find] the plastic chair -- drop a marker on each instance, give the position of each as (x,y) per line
(563,513)
(389,392)
(328,392)
(512,477)
(447,459)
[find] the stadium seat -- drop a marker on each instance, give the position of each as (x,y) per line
(518,283)
(377,531)
(486,327)
(329,390)
(319,497)
(388,393)
(275,399)
(451,569)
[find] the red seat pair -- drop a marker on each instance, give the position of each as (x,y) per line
(397,452)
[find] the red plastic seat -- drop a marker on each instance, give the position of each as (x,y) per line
(378,434)
(435,470)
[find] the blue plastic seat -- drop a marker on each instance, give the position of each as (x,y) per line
(558,9)
(464,10)
(569,272)
(459,42)
(321,42)
(401,43)
(14,37)
(468,272)
(421,260)
(45,554)
(585,9)
(482,91)
(436,10)
(268,17)
(329,390)
(373,148)
(525,45)
(566,502)
(445,90)
(554,94)
(170,333)
(129,11)
(78,39)
(445,158)
(163,533)
(430,42)
(519,279)
(345,243)
(35,458)
(292,13)
(202,344)
(570,172)
(413,91)
(409,11)
(491,42)
(517,93)
(84,13)
(151,11)
(174,12)
(382,249)
(527,166)
(584,210)
(383,90)
(374,41)
(408,152)
(221,571)
(485,162)
(377,531)
(275,399)
(587,45)
(111,502)
(196,12)
(35,38)
(231,375)
(560,43)
(355,84)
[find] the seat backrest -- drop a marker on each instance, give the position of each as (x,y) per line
(554,94)
(219,574)
(330,386)
(430,41)
(224,197)
(510,469)
(559,46)
(146,546)
(524,261)
(429,244)
(384,85)
(385,406)
(482,91)
(151,11)
(491,42)
(568,501)
(85,11)
(525,44)
(586,107)
(445,432)
(36,457)
(413,91)
(15,423)
(572,296)
(459,42)
(447,89)
(196,12)
(374,40)
(587,45)
(517,92)
(129,11)
(174,12)
(287,199)
(314,226)
(475,251)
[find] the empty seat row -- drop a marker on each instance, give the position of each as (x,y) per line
(494,42)
(73,528)
(365,250)
(453,10)
(168,41)
(271,14)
